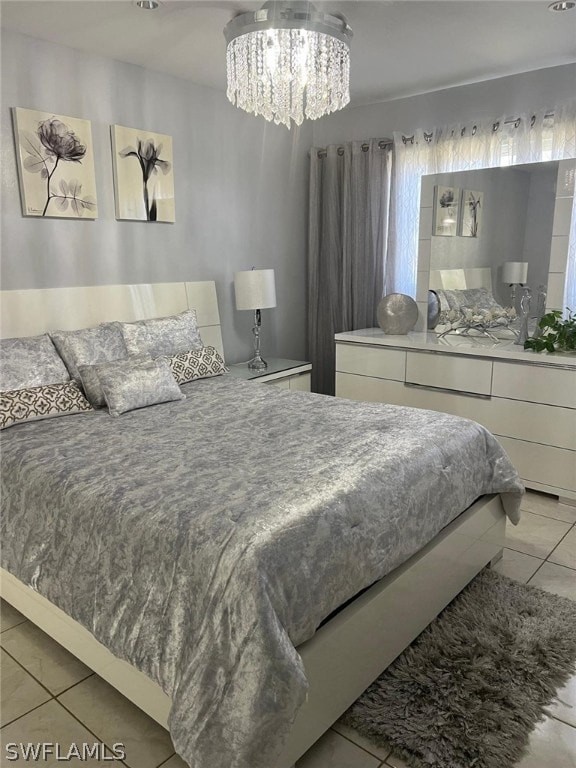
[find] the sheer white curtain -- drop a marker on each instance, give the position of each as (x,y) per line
(546,135)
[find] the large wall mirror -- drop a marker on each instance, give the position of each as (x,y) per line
(478,227)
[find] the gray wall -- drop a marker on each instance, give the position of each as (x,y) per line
(240,187)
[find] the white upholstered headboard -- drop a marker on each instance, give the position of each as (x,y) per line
(33,311)
(459,279)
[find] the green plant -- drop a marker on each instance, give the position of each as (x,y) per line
(557,335)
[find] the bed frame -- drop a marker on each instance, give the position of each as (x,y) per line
(348,652)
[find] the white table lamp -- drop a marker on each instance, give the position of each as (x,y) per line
(514,273)
(255,289)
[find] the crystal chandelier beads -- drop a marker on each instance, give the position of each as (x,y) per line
(287,62)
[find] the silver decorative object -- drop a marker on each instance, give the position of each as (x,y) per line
(524,316)
(397,314)
(434,310)
(540,310)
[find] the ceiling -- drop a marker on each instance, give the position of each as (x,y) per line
(399,48)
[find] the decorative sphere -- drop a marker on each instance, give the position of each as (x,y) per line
(397,314)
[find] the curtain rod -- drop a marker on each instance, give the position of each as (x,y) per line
(495,126)
(322,153)
(518,120)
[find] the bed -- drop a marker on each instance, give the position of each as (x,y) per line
(243,563)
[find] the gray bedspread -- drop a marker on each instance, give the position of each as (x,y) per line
(202,540)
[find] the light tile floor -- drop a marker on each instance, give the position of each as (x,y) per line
(47,695)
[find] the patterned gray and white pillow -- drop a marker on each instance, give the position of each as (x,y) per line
(89,375)
(89,346)
(139,385)
(35,403)
(196,364)
(31,361)
(163,335)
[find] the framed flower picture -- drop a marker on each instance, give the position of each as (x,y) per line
(55,165)
(143,175)
(472,209)
(446,202)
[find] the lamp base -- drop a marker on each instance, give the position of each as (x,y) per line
(257,363)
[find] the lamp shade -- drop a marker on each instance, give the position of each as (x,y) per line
(255,289)
(515,272)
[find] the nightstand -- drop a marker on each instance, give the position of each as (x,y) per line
(287,374)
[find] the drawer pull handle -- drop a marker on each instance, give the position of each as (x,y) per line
(448,391)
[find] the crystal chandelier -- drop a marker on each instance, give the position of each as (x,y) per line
(288,61)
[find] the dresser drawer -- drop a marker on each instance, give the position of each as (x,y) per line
(370,389)
(453,372)
(533,422)
(537,384)
(542,463)
(371,361)
(509,418)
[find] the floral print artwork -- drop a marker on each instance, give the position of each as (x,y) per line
(446,200)
(471,213)
(143,175)
(56,165)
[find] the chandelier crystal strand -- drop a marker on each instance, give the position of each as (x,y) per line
(288,70)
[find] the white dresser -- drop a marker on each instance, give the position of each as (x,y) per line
(526,399)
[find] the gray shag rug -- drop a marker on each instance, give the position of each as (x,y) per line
(468,691)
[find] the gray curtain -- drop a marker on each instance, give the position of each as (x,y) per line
(347,246)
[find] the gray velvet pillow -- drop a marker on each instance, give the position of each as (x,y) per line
(89,346)
(479,297)
(138,385)
(468,297)
(449,299)
(31,361)
(163,335)
(89,375)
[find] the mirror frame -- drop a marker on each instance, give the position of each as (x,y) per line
(558,246)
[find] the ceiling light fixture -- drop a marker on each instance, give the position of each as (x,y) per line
(563,5)
(147,5)
(288,61)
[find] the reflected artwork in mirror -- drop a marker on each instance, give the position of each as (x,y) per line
(446,204)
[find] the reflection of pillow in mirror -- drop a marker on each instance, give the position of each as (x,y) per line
(448,299)
(468,297)
(479,297)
